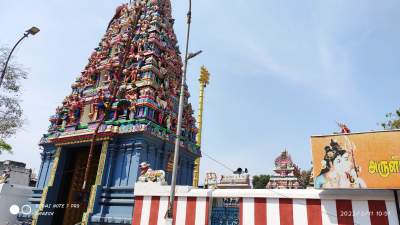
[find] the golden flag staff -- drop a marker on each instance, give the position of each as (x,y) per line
(204,80)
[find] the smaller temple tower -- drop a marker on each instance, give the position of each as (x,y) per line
(285,171)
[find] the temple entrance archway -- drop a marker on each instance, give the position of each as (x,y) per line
(72,201)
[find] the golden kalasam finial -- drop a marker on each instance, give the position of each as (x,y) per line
(204,80)
(204,76)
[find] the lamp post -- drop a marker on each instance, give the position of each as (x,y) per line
(32,31)
(169,216)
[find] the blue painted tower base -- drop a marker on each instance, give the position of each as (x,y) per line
(111,199)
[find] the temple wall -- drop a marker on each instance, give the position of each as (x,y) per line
(114,196)
(264,206)
(114,203)
(48,195)
(46,165)
(47,156)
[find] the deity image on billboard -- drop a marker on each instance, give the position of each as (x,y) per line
(339,168)
(357,160)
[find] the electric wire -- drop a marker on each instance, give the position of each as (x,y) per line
(217,161)
(271,190)
(226,167)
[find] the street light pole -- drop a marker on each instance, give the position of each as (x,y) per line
(32,31)
(188,56)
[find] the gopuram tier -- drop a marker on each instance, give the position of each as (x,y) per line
(124,104)
(285,173)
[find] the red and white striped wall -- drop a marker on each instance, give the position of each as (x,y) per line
(151,210)
(285,211)
(268,207)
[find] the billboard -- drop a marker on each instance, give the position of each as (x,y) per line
(357,160)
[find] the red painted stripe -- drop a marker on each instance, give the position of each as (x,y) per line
(190,210)
(175,208)
(154,207)
(208,202)
(378,212)
(314,215)
(241,211)
(344,212)
(260,211)
(286,211)
(137,212)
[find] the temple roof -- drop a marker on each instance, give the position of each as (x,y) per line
(132,78)
(283,159)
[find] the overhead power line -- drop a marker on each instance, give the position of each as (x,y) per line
(217,161)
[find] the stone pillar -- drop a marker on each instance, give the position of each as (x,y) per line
(111,149)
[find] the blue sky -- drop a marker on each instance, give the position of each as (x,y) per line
(281,71)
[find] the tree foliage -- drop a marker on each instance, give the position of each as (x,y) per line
(260,181)
(10,109)
(392,121)
(304,178)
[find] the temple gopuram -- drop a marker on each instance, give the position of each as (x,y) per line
(285,171)
(121,112)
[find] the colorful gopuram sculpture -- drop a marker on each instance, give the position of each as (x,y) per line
(125,101)
(285,173)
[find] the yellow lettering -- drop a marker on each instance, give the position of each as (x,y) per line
(383,168)
(372,167)
(394,166)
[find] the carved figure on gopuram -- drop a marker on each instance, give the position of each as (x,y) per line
(134,73)
(120,117)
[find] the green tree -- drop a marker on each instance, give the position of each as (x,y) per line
(10,109)
(260,181)
(392,121)
(304,178)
